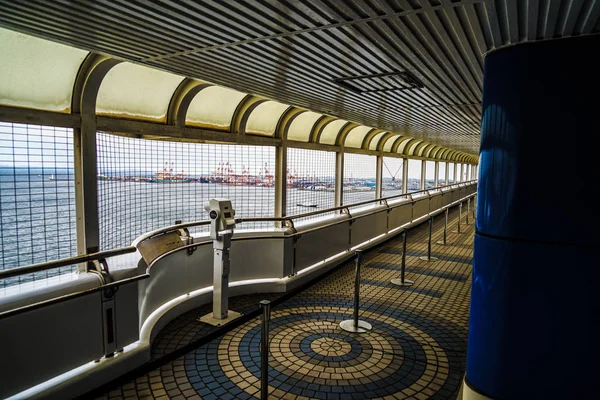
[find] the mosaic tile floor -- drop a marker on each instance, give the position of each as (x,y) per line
(416,349)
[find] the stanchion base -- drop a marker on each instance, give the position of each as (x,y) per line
(441,242)
(457,232)
(211,320)
(399,282)
(428,259)
(348,326)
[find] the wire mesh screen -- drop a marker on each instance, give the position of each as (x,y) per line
(442,174)
(37,198)
(359,178)
(310,182)
(414,175)
(392,176)
(429,174)
(145,185)
(450,173)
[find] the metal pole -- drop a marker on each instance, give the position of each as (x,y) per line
(459,218)
(354,324)
(468,209)
(402,281)
(445,227)
(264,351)
(428,257)
(357,287)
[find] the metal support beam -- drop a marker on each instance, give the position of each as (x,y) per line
(339,179)
(447,173)
(85,93)
(423,172)
(462,172)
(280,180)
(436,174)
(405,175)
(379,177)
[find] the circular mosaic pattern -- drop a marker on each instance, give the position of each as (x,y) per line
(327,346)
(310,356)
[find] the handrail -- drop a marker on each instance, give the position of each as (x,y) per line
(10,273)
(298,216)
(311,230)
(111,253)
(60,299)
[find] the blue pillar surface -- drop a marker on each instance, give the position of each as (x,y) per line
(534,329)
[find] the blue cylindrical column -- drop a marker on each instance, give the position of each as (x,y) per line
(534,324)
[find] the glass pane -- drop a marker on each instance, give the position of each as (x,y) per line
(392,176)
(149,184)
(359,178)
(414,175)
(413,147)
(310,182)
(37,198)
(390,142)
(402,146)
(450,173)
(302,125)
(133,91)
(213,108)
(265,117)
(375,141)
(36,73)
(356,136)
(442,174)
(429,174)
(331,131)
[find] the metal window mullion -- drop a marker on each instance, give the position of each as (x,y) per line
(447,173)
(423,172)
(436,174)
(280,180)
(405,175)
(339,179)
(379,177)
(86,187)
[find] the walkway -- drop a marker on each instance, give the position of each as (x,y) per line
(416,349)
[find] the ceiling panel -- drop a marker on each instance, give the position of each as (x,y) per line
(296,52)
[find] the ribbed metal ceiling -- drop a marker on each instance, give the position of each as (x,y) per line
(301,52)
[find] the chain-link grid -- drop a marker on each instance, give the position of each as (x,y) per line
(359,177)
(442,174)
(310,182)
(145,185)
(392,176)
(429,174)
(37,198)
(414,175)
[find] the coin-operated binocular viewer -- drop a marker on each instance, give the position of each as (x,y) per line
(222,223)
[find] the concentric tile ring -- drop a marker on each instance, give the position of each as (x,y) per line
(395,359)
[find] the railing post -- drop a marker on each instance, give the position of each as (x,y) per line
(445,227)
(428,256)
(264,350)
(402,281)
(459,218)
(354,324)
(468,210)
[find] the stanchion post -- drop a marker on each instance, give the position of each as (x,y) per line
(402,281)
(355,325)
(264,351)
(468,209)
(445,227)
(459,218)
(428,256)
